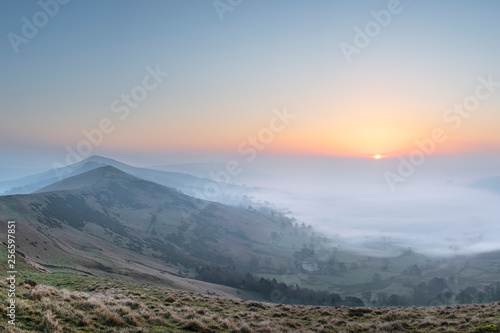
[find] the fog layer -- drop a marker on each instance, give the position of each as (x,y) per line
(434,211)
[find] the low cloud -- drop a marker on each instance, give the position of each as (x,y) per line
(435,213)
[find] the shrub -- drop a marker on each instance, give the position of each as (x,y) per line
(41,291)
(50,324)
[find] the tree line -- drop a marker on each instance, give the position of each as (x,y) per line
(436,292)
(272,290)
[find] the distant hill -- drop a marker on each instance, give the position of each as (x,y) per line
(202,170)
(106,221)
(95,178)
(7,174)
(194,169)
(36,181)
(188,184)
(491,184)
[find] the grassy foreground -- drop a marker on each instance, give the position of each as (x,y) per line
(113,306)
(67,301)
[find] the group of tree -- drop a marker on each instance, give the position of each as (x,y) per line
(273,290)
(435,292)
(490,293)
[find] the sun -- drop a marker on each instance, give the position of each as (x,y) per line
(378,157)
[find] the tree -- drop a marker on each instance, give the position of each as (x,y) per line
(397,300)
(335,300)
(420,296)
(268,262)
(467,296)
(385,264)
(376,277)
(342,267)
(381,298)
(353,301)
(253,264)
(445,297)
(435,286)
(303,253)
(367,296)
(492,292)
(413,270)
(451,281)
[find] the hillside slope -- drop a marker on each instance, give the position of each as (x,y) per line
(75,303)
(107,222)
(188,184)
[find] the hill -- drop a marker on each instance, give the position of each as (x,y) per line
(109,223)
(188,184)
(491,184)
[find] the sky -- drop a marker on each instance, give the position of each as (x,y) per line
(173,81)
(368,119)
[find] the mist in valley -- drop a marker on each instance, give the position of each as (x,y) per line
(436,211)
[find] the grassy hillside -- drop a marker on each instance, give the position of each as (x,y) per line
(107,222)
(70,302)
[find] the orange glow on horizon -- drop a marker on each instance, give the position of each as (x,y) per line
(356,129)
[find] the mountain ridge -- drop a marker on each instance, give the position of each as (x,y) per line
(103,220)
(90,178)
(188,184)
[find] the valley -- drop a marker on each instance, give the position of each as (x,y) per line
(106,223)
(64,301)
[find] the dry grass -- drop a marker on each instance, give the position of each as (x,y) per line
(50,324)
(116,308)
